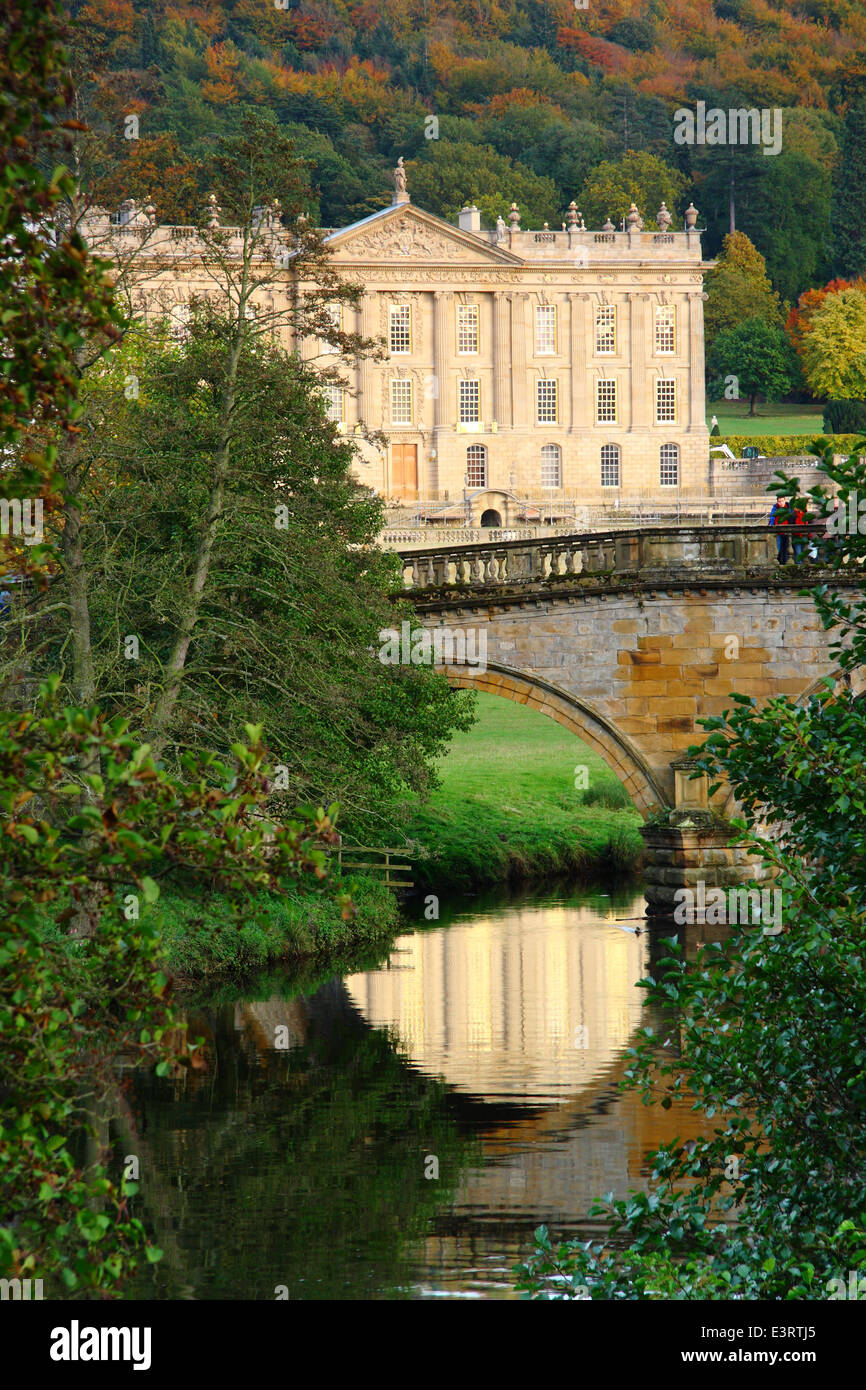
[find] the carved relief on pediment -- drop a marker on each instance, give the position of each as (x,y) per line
(405,238)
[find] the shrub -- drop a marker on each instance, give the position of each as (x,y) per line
(845,417)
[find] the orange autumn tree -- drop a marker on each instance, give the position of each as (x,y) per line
(799,319)
(223,65)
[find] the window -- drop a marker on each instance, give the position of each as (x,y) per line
(605,328)
(605,402)
(400,337)
(476,466)
(669,465)
(179,321)
(334,397)
(666,402)
(665,328)
(547,402)
(467,327)
(469,402)
(610,456)
(551,466)
(334,312)
(545,329)
(401,401)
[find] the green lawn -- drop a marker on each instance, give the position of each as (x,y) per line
(508,807)
(770,419)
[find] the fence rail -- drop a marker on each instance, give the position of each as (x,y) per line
(347,858)
(649,554)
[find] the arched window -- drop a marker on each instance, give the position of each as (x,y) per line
(551,466)
(669,465)
(476,465)
(610,457)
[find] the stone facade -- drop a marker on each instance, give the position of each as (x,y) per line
(507,351)
(528,372)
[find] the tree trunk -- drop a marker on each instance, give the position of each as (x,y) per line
(158,731)
(72,552)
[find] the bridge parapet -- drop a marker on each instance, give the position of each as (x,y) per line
(651,554)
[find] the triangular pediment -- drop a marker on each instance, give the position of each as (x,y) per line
(409,235)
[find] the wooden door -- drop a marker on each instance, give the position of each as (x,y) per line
(404,471)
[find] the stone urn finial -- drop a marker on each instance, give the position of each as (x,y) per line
(663,218)
(213,210)
(572,215)
(633,221)
(514,217)
(608,226)
(691,216)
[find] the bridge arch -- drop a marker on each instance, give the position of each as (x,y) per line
(620,754)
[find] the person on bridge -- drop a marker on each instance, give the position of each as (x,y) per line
(780,518)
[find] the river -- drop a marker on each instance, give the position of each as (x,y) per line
(400,1132)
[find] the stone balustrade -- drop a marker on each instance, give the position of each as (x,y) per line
(651,554)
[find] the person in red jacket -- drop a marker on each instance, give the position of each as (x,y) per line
(779,517)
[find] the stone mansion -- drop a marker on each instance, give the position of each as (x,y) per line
(527,372)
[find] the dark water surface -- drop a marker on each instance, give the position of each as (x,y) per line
(485,1049)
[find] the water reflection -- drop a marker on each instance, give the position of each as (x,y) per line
(492,1042)
(528,1004)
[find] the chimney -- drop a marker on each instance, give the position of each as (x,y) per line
(469,219)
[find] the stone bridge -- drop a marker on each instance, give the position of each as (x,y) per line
(628,639)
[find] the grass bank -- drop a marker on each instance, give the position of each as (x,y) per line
(734,418)
(206,941)
(513,807)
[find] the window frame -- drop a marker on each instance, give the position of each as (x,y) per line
(555,450)
(607,463)
(462,309)
(611,384)
(482,459)
(611,328)
(662,382)
(408,394)
(331,390)
(553,384)
(553,327)
(668,463)
(466,382)
(393,311)
(671,312)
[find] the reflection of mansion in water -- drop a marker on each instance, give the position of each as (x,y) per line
(531,1007)
(526,371)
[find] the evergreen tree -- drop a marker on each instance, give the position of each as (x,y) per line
(849,196)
